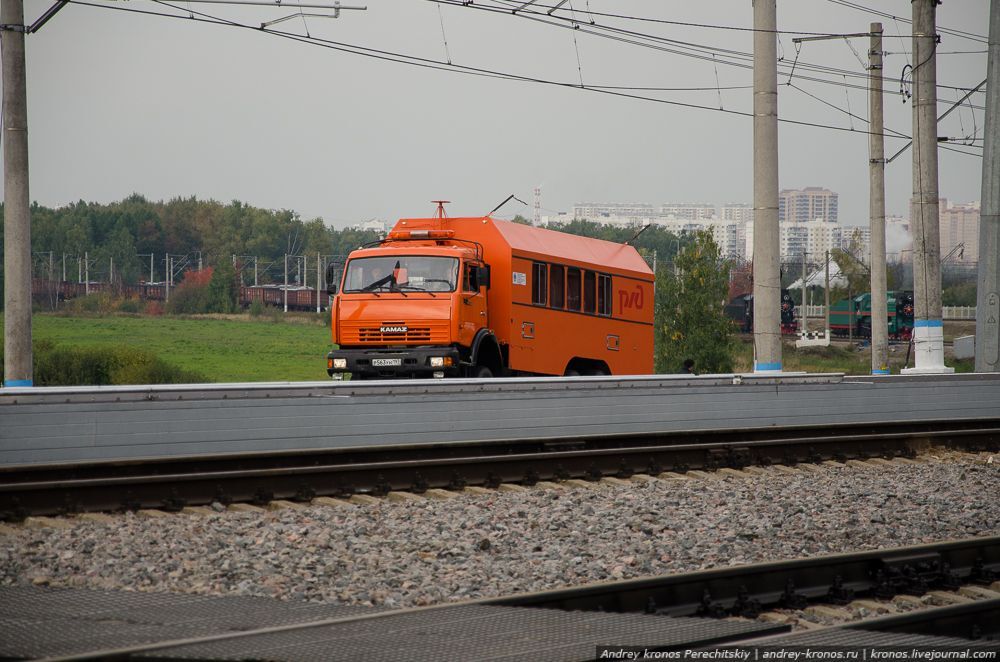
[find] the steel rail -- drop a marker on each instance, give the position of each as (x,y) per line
(47,490)
(748,590)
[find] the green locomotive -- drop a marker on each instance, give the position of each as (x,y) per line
(855,315)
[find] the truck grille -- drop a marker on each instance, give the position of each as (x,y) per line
(366,333)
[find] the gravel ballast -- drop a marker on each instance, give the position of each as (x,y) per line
(426,552)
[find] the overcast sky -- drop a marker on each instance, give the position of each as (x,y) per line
(123,102)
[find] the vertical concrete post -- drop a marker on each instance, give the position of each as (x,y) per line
(17,212)
(928,325)
(876,206)
(319,278)
(285,290)
(988,291)
(767,277)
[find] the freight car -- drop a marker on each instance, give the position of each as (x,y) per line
(299,298)
(854,316)
(740,310)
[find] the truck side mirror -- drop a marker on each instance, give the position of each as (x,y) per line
(484,276)
(331,279)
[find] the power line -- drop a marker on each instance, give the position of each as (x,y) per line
(735,58)
(957,33)
(412,60)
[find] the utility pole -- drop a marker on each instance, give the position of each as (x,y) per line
(86,273)
(876,207)
(166,279)
(928,325)
(150,267)
(988,290)
(767,276)
(255,258)
(17,213)
(64,268)
(285,289)
(826,295)
(319,278)
(805,313)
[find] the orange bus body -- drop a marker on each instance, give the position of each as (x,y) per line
(552,304)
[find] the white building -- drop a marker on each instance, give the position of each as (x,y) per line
(599,212)
(688,211)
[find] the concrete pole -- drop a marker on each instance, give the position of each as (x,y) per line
(319,278)
(86,272)
(805,313)
(876,207)
(111,278)
(17,214)
(166,279)
(928,326)
(988,290)
(64,268)
(826,296)
(79,270)
(285,291)
(255,258)
(150,267)
(767,277)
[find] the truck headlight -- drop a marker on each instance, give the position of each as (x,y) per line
(340,364)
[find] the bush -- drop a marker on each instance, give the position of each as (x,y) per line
(130,306)
(256,308)
(56,365)
(100,303)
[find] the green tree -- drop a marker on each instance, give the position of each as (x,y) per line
(223,292)
(690,316)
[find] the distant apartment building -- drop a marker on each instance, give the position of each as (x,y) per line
(959,230)
(600,212)
(688,211)
(737,211)
(728,235)
(809,204)
(373,225)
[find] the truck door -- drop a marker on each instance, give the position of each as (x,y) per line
(472,309)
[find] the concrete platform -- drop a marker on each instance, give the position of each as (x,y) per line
(63,425)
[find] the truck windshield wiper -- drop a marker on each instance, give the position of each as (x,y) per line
(415,289)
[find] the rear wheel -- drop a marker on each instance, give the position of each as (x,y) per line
(482,372)
(571,373)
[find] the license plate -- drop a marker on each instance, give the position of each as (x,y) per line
(386,363)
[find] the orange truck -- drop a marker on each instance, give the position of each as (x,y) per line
(481,297)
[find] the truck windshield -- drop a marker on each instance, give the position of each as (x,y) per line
(401,273)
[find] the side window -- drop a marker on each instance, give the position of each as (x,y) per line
(468,280)
(556,286)
(603,294)
(573,288)
(589,292)
(539,283)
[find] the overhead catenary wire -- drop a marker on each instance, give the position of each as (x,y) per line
(704,52)
(423,62)
(429,63)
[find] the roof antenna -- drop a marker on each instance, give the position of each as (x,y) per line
(440,209)
(506,200)
(645,226)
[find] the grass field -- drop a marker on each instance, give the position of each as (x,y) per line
(223,348)
(239,348)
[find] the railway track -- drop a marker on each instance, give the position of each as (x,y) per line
(173,484)
(652,614)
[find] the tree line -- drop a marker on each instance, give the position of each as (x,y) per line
(689,268)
